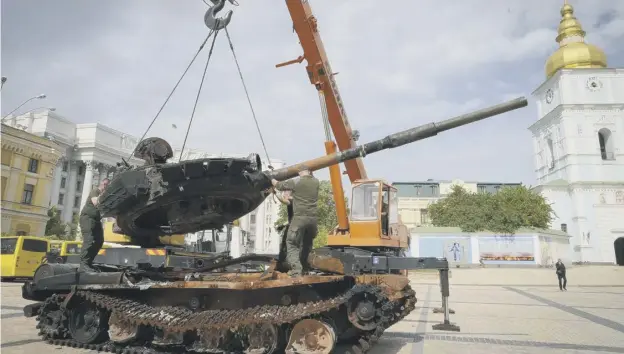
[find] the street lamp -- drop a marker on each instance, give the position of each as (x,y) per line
(34,109)
(38,97)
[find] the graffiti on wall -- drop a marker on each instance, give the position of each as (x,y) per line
(497,249)
(456,251)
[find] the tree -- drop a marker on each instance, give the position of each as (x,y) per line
(503,212)
(327,219)
(55,226)
(73,231)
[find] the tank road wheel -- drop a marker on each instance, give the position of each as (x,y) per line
(212,341)
(263,339)
(52,319)
(364,308)
(87,323)
(311,337)
(121,332)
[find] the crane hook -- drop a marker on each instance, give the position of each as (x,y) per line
(214,23)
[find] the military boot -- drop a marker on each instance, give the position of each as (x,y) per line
(88,268)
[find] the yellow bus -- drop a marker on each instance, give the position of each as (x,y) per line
(21,255)
(59,250)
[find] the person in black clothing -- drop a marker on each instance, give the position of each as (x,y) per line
(561,274)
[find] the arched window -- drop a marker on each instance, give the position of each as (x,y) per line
(551,153)
(605,140)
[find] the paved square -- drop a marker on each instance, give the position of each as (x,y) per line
(498,310)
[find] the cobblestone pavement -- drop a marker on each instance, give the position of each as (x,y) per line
(498,310)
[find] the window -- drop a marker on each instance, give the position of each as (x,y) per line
(619,197)
(4,183)
(61,199)
(27,196)
(35,245)
(605,141)
(551,153)
(497,188)
(65,166)
(7,245)
(80,170)
(252,219)
(564,228)
(417,189)
(6,157)
(74,249)
(76,202)
(482,189)
(394,208)
(364,202)
(74,216)
(78,185)
(33,165)
(63,182)
(434,191)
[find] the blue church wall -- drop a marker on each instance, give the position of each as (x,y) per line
(456,248)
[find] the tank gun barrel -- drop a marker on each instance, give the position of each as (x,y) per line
(397,139)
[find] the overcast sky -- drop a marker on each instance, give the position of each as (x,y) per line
(400,65)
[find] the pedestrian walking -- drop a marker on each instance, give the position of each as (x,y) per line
(561,274)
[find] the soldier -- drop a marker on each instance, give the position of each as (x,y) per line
(303,227)
(285,198)
(91,228)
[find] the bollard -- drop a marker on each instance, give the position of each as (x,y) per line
(444,289)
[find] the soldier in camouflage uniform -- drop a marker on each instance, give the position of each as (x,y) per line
(285,198)
(304,225)
(91,228)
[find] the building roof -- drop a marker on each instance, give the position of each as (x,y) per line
(457,230)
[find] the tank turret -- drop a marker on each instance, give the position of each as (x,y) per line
(175,198)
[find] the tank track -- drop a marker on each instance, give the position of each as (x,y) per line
(53,321)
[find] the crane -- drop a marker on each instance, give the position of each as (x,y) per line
(374,222)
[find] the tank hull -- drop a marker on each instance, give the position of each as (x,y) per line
(222,312)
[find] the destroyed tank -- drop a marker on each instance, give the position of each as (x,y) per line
(161,198)
(350,296)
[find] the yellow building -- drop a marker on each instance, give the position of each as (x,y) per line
(28,164)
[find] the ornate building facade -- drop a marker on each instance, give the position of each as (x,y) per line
(578,144)
(90,152)
(28,164)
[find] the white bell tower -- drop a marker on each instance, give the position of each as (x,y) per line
(579,144)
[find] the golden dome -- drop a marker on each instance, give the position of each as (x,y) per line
(573,52)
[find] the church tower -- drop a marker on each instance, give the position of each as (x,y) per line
(578,143)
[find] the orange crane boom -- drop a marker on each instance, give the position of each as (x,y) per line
(321,76)
(375,224)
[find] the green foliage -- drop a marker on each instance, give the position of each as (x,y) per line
(73,232)
(321,238)
(55,227)
(503,212)
(327,219)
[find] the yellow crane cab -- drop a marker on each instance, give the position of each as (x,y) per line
(374,220)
